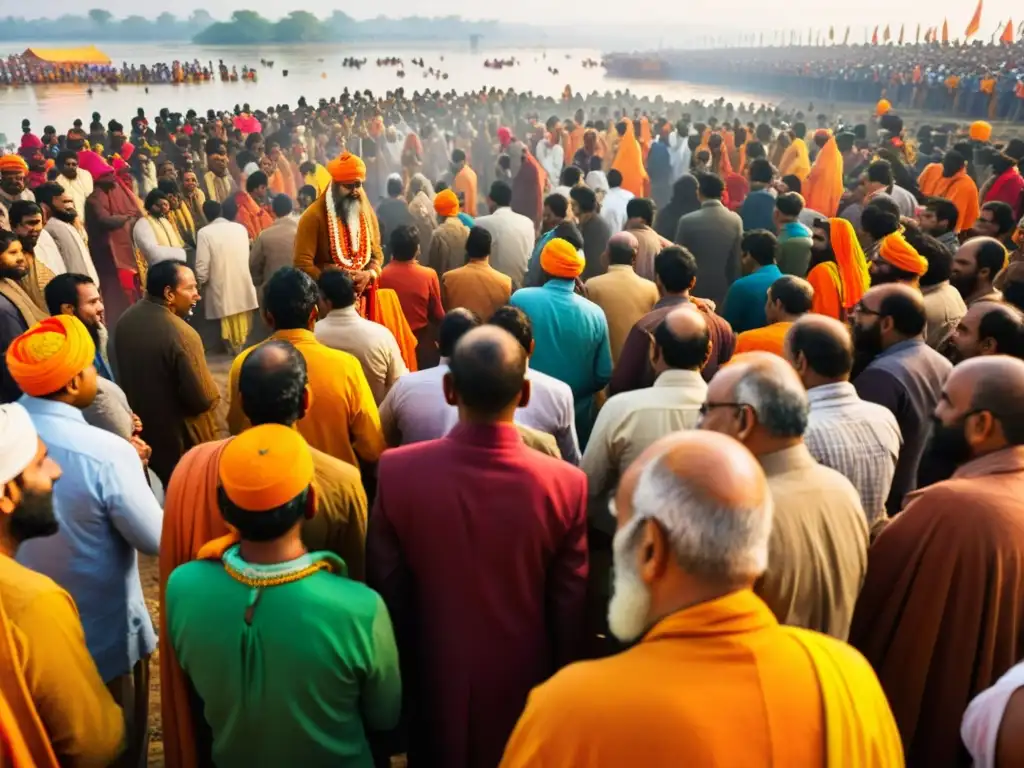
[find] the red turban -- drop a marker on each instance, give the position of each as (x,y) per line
(347,168)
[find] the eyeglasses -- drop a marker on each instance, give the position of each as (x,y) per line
(707,407)
(860,309)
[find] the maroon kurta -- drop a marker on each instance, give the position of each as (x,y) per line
(528,190)
(478,545)
(111,245)
(940,615)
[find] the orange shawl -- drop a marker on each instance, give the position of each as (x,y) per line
(388,312)
(959,189)
(191,519)
(824,185)
(251,216)
(839,285)
(629,162)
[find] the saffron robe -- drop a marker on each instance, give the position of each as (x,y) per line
(771,338)
(720,683)
(192,519)
(939,616)
(959,189)
(629,162)
(824,185)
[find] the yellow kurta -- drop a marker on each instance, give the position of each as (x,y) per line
(342,419)
(720,683)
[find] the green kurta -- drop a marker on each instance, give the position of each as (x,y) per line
(302,683)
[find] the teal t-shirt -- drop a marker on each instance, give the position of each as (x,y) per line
(300,685)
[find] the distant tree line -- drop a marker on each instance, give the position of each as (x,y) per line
(249,27)
(99,25)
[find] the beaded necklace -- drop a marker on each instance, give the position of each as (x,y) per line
(259,577)
(340,239)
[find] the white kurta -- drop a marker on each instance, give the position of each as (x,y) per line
(47,253)
(152,251)
(78,189)
(222,269)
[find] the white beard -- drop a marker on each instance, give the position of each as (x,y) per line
(350,215)
(631,600)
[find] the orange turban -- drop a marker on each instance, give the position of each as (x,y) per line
(883,107)
(50,354)
(446,203)
(850,259)
(12,164)
(347,168)
(897,251)
(265,467)
(981,131)
(561,259)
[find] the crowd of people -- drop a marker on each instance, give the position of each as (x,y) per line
(977,80)
(637,436)
(20,70)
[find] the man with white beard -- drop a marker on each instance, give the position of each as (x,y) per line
(714,678)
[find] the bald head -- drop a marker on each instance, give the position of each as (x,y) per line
(900,302)
(820,346)
(622,248)
(770,387)
(682,340)
(993,383)
(710,496)
(976,264)
(272,384)
(487,372)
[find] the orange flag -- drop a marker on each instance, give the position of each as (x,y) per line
(901,35)
(975,24)
(874,37)
(885,35)
(945,31)
(1007,36)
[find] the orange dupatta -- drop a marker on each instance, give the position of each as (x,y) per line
(387,311)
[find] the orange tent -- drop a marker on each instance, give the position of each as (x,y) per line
(89,54)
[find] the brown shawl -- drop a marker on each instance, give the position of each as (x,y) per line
(940,615)
(30,311)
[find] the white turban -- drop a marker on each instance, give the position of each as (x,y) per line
(19,442)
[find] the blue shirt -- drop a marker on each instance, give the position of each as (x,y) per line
(744,303)
(571,343)
(792,229)
(106,512)
(758,210)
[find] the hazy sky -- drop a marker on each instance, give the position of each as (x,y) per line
(792,13)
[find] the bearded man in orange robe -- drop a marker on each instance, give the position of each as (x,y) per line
(340,231)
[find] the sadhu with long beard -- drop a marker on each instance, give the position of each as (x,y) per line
(340,231)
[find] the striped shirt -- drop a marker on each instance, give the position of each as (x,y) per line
(858,439)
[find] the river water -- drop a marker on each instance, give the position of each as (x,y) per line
(315,71)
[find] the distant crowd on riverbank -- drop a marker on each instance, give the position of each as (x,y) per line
(19,70)
(976,81)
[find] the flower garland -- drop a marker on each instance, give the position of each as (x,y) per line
(340,238)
